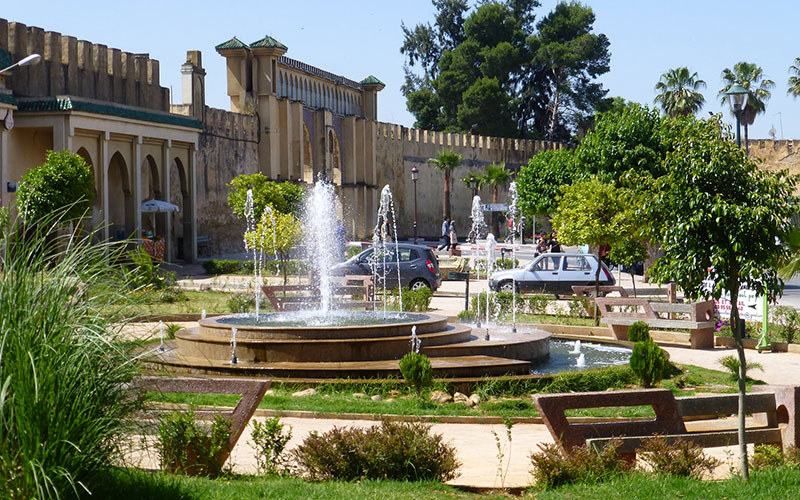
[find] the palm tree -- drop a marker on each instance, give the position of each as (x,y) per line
(446,161)
(679,92)
(794,81)
(751,77)
(495,176)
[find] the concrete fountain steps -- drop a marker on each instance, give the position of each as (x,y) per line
(269,350)
(198,342)
(453,366)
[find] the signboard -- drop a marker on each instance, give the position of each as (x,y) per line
(750,304)
(495,207)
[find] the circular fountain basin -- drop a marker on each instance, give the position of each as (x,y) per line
(564,357)
(334,325)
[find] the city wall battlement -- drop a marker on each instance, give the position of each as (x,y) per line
(79,68)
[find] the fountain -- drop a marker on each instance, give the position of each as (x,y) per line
(323,341)
(491,248)
(379,239)
(512,191)
(255,243)
(476,232)
(577,348)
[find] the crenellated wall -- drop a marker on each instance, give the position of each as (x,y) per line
(80,68)
(777,155)
(399,149)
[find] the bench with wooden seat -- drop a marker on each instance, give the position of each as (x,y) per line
(694,419)
(697,317)
(356,292)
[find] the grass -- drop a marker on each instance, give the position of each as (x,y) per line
(510,400)
(549,319)
(763,485)
(212,302)
(135,485)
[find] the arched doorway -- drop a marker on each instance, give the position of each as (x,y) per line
(308,158)
(121,217)
(97,202)
(151,189)
(181,237)
(335,163)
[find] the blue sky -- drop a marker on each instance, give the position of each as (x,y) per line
(356,38)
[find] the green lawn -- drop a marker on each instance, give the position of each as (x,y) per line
(212,302)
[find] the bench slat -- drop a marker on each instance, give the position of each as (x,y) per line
(725,404)
(660,323)
(703,439)
(671,307)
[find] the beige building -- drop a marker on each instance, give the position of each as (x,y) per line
(288,120)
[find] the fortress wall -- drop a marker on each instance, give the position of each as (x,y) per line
(399,149)
(228,147)
(777,155)
(79,68)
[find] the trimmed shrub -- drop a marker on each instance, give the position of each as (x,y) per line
(398,451)
(414,300)
(788,321)
(537,304)
(767,456)
(215,267)
(638,332)
(416,370)
(648,363)
(241,302)
(270,440)
(683,458)
(553,466)
(579,307)
(185,448)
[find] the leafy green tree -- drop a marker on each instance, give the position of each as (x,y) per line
(495,176)
(63,180)
(751,77)
(285,197)
(278,235)
(634,139)
(628,251)
(679,92)
(446,160)
(596,213)
(715,209)
(794,80)
(571,57)
(539,182)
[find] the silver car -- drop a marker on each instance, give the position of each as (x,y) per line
(554,273)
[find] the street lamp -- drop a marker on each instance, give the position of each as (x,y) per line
(31,59)
(473,183)
(737,98)
(415,177)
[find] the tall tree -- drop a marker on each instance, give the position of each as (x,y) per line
(571,57)
(794,80)
(495,176)
(446,161)
(679,92)
(751,77)
(716,210)
(539,182)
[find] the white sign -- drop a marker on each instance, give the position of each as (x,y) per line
(750,304)
(495,207)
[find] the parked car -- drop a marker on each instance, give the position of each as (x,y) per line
(418,266)
(554,273)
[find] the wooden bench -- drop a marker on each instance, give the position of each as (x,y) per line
(697,317)
(694,419)
(588,290)
(304,296)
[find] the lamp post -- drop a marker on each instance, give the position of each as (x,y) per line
(473,183)
(31,59)
(415,177)
(737,98)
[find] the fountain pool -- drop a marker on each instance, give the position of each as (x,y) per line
(563,356)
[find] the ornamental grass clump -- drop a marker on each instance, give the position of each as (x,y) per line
(63,370)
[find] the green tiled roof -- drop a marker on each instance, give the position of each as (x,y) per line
(8,99)
(371,80)
(233,43)
(72,104)
(269,43)
(5,58)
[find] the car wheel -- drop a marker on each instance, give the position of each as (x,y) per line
(419,284)
(506,286)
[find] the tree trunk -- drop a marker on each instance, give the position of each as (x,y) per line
(597,290)
(738,329)
(285,266)
(633,281)
(446,202)
(746,140)
(555,105)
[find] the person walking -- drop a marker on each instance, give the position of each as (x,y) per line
(445,234)
(555,246)
(453,239)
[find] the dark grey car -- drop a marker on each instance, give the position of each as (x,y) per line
(418,266)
